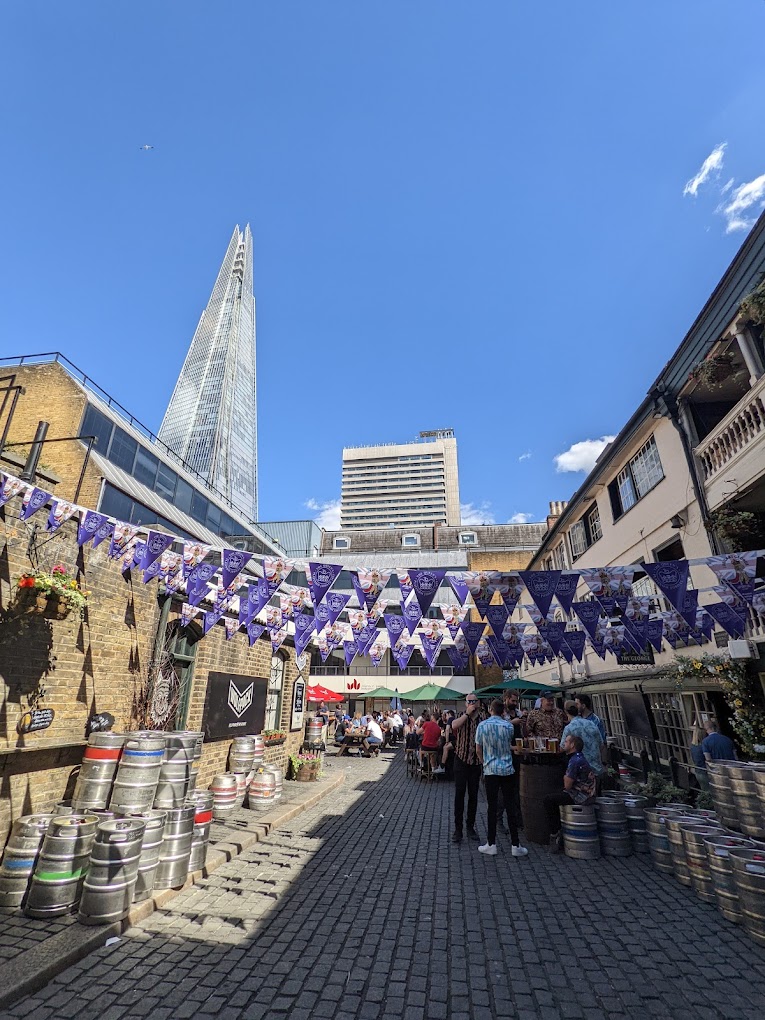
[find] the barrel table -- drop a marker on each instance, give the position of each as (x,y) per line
(541,772)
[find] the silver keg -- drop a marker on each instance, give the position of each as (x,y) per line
(677,845)
(749,808)
(635,808)
(99,766)
(721,873)
(135,784)
(151,844)
(722,793)
(19,858)
(658,836)
(697,859)
(175,771)
(108,889)
(278,780)
(262,791)
(175,851)
(196,758)
(749,876)
(224,791)
(241,756)
(64,807)
(613,829)
(203,809)
(60,869)
(580,832)
(199,841)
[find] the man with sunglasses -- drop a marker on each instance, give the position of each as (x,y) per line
(467,769)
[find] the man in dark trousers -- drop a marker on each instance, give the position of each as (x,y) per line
(467,769)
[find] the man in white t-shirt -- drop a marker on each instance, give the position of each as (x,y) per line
(373,737)
(398,727)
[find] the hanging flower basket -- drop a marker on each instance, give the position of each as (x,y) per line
(53,595)
(713,370)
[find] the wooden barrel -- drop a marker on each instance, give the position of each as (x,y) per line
(697,859)
(721,873)
(580,832)
(540,776)
(749,875)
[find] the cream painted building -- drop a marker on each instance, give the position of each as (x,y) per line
(408,485)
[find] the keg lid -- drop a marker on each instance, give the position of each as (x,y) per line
(120,830)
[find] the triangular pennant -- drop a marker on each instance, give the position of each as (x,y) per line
(552,632)
(349,651)
(404,583)
(459,586)
(378,648)
(395,625)
(9,487)
(321,577)
(473,633)
(402,652)
(232,626)
(90,522)
(431,644)
(589,614)
(484,654)
(34,500)
(426,584)
(122,536)
(276,570)
(565,589)
(369,583)
(210,619)
(481,585)
(233,562)
(453,617)
(304,628)
(671,578)
(188,613)
(496,617)
(106,530)
(60,512)
(575,641)
(254,630)
(541,585)
(688,606)
(155,544)
(277,638)
(510,588)
(513,632)
(655,633)
(457,658)
(328,610)
(500,650)
(274,619)
(412,613)
(366,637)
(285,604)
(196,583)
(728,619)
(737,570)
(193,554)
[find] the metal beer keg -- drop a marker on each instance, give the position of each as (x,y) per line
(99,766)
(175,852)
(19,858)
(109,883)
(60,869)
(135,784)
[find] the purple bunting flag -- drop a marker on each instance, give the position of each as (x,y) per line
(9,487)
(122,536)
(496,617)
(369,584)
(196,583)
(34,500)
(575,641)
(349,651)
(553,634)
(276,570)
(155,544)
(193,554)
(402,652)
(426,584)
(671,578)
(473,633)
(232,626)
(210,619)
(366,637)
(277,639)
(655,633)
(431,645)
(589,614)
(737,570)
(688,606)
(395,625)
(304,628)
(233,562)
(378,648)
(457,658)
(459,584)
(728,618)
(513,632)
(321,577)
(328,610)
(541,585)
(106,530)
(412,613)
(254,630)
(565,589)
(60,512)
(453,617)
(90,522)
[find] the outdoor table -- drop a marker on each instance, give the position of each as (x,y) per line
(350,740)
(541,772)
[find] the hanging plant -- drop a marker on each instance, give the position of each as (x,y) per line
(739,529)
(713,370)
(752,308)
(51,594)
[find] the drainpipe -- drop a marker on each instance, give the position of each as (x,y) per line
(30,468)
(435,535)
(679,417)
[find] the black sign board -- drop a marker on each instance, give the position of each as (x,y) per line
(636,719)
(632,658)
(35,719)
(235,705)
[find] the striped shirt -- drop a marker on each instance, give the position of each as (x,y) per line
(463,740)
(495,738)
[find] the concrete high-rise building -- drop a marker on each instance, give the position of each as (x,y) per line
(401,486)
(211,421)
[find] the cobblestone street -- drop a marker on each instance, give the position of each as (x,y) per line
(363,908)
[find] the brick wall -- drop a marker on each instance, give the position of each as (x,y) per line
(95,664)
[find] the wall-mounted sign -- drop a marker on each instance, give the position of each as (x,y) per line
(235,705)
(35,719)
(298,705)
(632,658)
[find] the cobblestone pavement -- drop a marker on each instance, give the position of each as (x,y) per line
(362,908)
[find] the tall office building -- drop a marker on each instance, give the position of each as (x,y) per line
(210,422)
(401,486)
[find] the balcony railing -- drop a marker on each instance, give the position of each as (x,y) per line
(739,430)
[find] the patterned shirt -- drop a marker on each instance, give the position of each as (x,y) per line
(495,738)
(590,734)
(464,740)
(546,724)
(584,778)
(598,722)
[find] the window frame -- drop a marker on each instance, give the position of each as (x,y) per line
(271,709)
(410,545)
(577,527)
(594,511)
(471,536)
(626,479)
(341,542)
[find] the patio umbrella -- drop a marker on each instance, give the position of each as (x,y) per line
(428,692)
(516,684)
(395,702)
(381,692)
(319,693)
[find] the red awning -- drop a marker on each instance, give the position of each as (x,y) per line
(319,693)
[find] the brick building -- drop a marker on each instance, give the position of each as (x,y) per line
(108,660)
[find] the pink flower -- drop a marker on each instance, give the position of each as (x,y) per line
(58,569)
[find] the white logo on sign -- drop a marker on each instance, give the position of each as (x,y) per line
(239,701)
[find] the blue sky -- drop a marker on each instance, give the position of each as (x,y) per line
(466,215)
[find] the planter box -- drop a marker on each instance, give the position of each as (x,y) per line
(274,741)
(28,601)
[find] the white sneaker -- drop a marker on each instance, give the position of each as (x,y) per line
(519,851)
(439,771)
(489,848)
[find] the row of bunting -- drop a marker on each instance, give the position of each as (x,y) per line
(612,620)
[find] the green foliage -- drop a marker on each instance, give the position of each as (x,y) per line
(662,789)
(752,308)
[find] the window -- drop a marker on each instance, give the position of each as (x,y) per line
(634,481)
(341,543)
(96,424)
(213,518)
(559,557)
(183,494)
(577,536)
(468,538)
(122,450)
(146,465)
(593,519)
(165,483)
(199,506)
(274,695)
(410,540)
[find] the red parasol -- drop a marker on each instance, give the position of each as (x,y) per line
(319,693)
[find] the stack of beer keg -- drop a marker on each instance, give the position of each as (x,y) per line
(128,829)
(613,830)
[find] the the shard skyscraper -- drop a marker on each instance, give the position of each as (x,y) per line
(210,421)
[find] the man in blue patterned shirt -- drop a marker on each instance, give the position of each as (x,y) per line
(578,788)
(494,747)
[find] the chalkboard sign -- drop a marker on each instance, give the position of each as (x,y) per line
(298,705)
(35,719)
(636,719)
(235,705)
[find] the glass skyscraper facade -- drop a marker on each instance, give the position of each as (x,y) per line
(211,422)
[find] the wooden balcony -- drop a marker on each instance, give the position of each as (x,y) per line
(732,456)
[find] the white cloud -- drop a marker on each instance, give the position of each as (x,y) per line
(521,519)
(582,456)
(525,456)
(328,514)
(477,513)
(711,167)
(726,187)
(743,205)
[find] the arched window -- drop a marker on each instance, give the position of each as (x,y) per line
(274,695)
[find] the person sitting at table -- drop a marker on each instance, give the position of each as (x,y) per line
(373,737)
(387,728)
(430,733)
(546,721)
(447,746)
(341,726)
(578,788)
